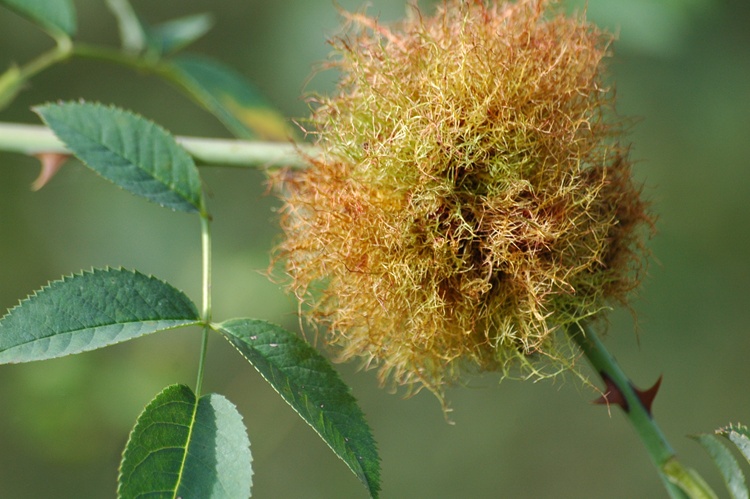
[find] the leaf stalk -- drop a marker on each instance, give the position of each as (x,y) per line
(206,292)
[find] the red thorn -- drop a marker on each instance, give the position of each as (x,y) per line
(612,394)
(51,163)
(647,396)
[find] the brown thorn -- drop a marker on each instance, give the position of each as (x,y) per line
(647,396)
(612,394)
(51,163)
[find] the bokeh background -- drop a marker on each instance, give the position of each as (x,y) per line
(681,66)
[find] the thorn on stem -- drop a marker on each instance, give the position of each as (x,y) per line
(51,163)
(647,396)
(613,394)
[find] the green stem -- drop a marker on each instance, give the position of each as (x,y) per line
(112,55)
(63,50)
(13,79)
(662,455)
(29,139)
(34,139)
(206,292)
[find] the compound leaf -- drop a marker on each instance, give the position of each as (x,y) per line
(91,310)
(308,383)
(187,447)
(130,151)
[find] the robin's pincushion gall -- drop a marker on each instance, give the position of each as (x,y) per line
(474,196)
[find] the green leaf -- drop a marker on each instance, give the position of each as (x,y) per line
(130,151)
(306,380)
(132,31)
(54,16)
(229,97)
(91,310)
(177,34)
(727,464)
(156,41)
(183,447)
(739,436)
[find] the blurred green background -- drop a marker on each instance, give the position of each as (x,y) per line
(681,66)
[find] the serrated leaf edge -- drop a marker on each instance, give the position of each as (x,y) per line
(138,423)
(197,401)
(727,454)
(124,112)
(373,488)
(75,275)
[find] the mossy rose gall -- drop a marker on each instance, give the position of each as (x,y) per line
(474,195)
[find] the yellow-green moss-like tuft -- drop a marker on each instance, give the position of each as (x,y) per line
(474,197)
